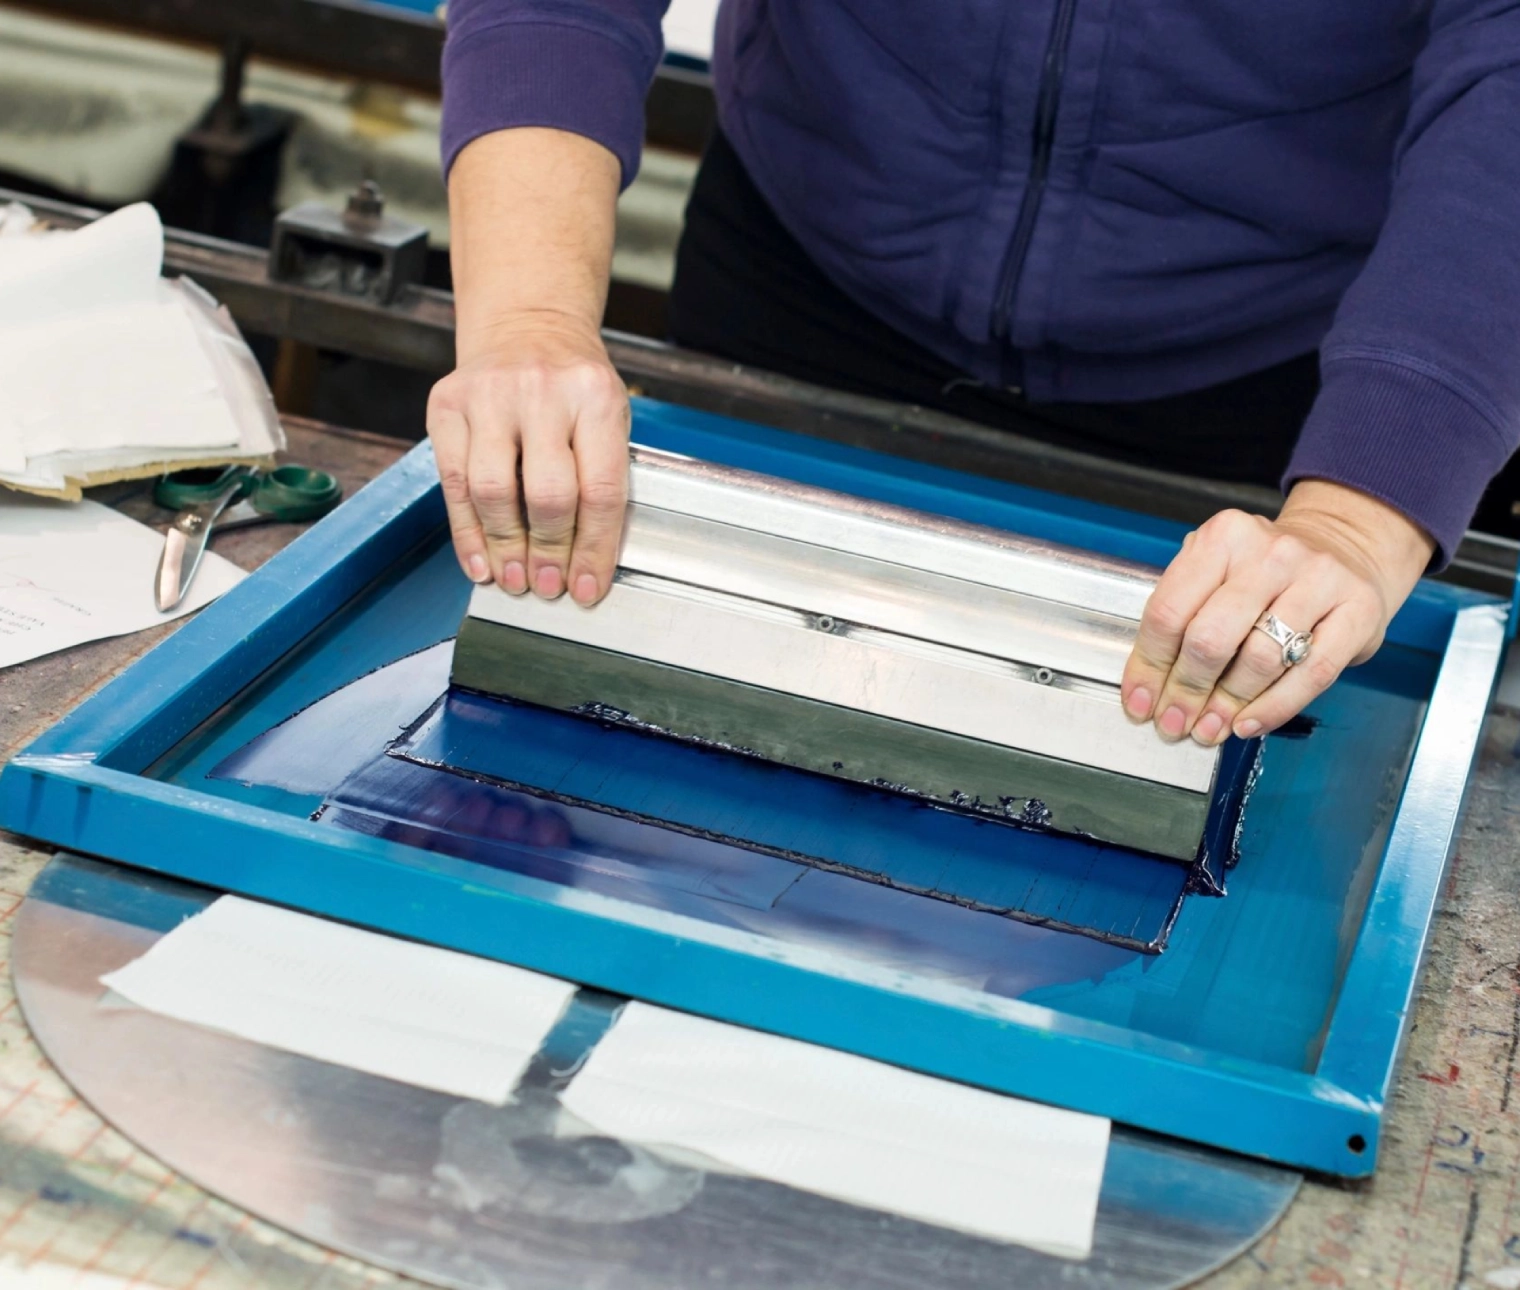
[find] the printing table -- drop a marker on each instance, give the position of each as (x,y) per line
(1440,1211)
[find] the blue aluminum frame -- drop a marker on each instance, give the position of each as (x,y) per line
(83,786)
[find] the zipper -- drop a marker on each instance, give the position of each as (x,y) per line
(1051,74)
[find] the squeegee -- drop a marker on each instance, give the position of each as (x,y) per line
(965,666)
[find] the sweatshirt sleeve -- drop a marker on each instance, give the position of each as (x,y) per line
(578,65)
(1420,401)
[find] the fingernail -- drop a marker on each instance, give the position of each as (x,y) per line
(515,578)
(1249,728)
(1208,728)
(1138,705)
(1172,721)
(549,582)
(479,571)
(585,589)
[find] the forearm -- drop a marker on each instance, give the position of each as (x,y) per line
(531,429)
(532,217)
(1420,404)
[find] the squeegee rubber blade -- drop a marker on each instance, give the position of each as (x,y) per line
(949,769)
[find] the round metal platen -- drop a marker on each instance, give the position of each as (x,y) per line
(462,1194)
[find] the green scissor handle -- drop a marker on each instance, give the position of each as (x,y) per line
(287,493)
(295,493)
(187,488)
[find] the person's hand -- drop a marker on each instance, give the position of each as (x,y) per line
(1336,562)
(531,437)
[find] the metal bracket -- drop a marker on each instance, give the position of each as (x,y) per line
(360,252)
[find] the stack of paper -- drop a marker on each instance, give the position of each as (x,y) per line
(107,371)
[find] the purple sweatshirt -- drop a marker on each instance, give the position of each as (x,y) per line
(1103,200)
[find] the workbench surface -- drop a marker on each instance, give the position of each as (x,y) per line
(1441,1211)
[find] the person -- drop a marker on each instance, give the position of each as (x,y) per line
(1270,242)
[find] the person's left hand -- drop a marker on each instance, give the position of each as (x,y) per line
(1336,562)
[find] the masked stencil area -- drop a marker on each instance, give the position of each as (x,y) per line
(650,819)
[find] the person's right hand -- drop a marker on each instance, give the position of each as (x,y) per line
(531,437)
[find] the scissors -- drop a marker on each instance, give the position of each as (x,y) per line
(205,501)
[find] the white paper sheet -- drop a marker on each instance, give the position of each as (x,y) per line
(394,1008)
(113,261)
(72,572)
(848,1128)
(689,28)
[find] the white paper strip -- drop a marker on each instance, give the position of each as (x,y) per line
(393,1008)
(848,1128)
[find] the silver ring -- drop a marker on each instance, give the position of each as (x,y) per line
(1294,645)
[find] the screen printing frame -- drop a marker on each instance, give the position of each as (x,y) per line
(84,786)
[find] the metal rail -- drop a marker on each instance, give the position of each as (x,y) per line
(375,42)
(417,331)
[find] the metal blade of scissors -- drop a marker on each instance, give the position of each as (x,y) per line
(184,545)
(240,516)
